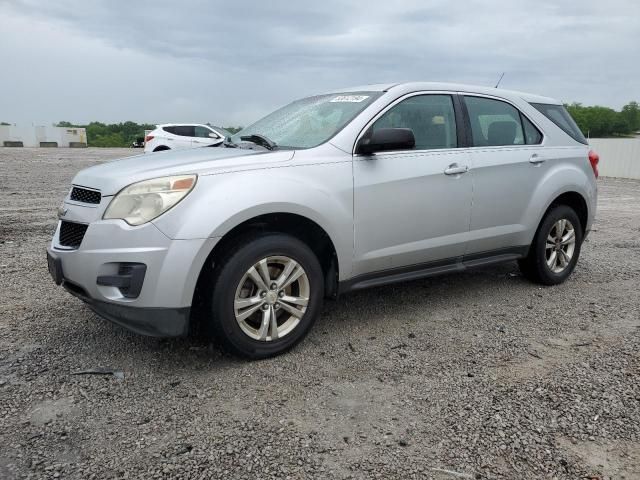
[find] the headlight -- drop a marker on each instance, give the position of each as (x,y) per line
(143,201)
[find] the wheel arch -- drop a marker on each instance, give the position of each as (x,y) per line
(564,183)
(570,197)
(577,202)
(296,225)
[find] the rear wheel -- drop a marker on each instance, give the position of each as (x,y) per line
(266,296)
(555,249)
(161,148)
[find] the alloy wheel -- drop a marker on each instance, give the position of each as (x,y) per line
(271,298)
(560,245)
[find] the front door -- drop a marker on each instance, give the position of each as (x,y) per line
(204,137)
(413,207)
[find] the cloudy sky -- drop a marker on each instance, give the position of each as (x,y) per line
(234,61)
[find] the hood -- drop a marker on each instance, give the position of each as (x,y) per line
(113,176)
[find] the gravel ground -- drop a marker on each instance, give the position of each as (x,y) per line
(475,375)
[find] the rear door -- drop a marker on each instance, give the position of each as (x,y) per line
(413,207)
(508,163)
(204,136)
(180,136)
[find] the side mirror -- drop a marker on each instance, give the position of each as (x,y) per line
(385,139)
(213,135)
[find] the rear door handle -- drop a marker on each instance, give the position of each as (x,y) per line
(455,169)
(535,159)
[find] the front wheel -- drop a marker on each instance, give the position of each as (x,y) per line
(555,249)
(267,293)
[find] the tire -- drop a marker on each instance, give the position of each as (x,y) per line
(161,148)
(538,266)
(233,285)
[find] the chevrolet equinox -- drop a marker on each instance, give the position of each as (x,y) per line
(332,193)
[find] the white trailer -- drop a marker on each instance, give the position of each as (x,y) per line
(42,136)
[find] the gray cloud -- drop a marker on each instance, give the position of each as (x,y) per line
(230,62)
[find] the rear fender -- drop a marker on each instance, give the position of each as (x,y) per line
(563,178)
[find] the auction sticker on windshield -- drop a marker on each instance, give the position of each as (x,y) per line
(350,98)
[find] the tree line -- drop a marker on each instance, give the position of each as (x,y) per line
(599,121)
(116,134)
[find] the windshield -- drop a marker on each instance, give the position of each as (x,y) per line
(222,131)
(311,121)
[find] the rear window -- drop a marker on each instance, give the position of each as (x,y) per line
(559,115)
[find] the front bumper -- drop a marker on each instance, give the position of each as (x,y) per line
(161,303)
(155,322)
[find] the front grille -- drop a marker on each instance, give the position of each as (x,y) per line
(85,195)
(71,234)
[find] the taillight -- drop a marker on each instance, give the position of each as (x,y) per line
(594,159)
(148,138)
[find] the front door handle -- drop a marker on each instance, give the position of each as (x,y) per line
(455,169)
(535,159)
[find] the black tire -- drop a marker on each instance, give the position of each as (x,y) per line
(534,266)
(221,323)
(161,148)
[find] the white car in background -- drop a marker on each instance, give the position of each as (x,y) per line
(179,136)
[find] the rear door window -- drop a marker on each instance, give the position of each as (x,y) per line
(494,122)
(181,130)
(559,115)
(185,130)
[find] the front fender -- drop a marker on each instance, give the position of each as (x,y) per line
(320,192)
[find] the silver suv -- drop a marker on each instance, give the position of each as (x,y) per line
(332,193)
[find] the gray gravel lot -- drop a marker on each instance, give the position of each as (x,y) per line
(475,375)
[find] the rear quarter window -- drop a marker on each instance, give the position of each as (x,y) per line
(559,115)
(531,133)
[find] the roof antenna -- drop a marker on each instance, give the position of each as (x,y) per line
(499,80)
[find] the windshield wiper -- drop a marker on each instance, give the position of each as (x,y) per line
(261,140)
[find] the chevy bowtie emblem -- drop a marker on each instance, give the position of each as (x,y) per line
(62,212)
